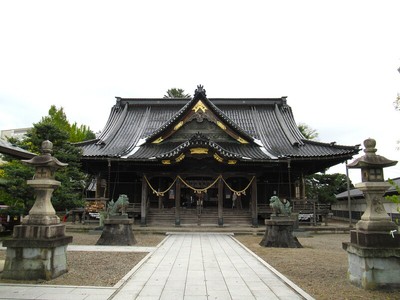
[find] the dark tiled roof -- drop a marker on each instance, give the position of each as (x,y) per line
(357,194)
(7,148)
(267,124)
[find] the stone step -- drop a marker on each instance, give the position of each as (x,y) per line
(190,217)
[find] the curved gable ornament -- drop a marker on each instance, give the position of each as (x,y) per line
(200,91)
(199,145)
(200,109)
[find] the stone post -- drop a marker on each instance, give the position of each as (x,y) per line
(178,203)
(374,248)
(38,247)
(220,203)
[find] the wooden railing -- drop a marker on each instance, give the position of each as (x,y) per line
(309,207)
(133,208)
(309,211)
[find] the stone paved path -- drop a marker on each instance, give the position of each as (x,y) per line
(185,266)
(206,266)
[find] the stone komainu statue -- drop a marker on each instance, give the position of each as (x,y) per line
(279,207)
(114,208)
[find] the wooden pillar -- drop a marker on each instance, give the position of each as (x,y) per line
(220,203)
(289,180)
(254,213)
(143,206)
(303,187)
(109,180)
(98,192)
(178,203)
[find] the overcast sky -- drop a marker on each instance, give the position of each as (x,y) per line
(335,60)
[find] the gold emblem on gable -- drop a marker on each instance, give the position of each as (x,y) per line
(179,125)
(180,157)
(159,140)
(198,151)
(200,106)
(242,141)
(218,158)
(221,125)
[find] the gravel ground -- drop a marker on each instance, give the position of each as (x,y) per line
(88,268)
(320,268)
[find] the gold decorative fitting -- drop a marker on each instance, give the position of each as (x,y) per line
(218,158)
(179,125)
(221,125)
(200,105)
(159,140)
(166,162)
(242,141)
(180,157)
(232,162)
(198,151)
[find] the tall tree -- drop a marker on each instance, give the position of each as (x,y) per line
(396,103)
(56,128)
(75,132)
(58,118)
(308,132)
(324,187)
(319,186)
(80,133)
(14,191)
(176,93)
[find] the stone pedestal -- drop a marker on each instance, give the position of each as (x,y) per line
(375,217)
(373,268)
(374,248)
(279,233)
(42,211)
(117,231)
(38,249)
(374,259)
(36,252)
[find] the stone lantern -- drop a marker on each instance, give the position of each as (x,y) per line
(44,183)
(38,247)
(374,248)
(373,186)
(371,164)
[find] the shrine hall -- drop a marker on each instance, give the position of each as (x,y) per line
(200,160)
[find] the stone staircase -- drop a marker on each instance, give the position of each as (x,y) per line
(190,217)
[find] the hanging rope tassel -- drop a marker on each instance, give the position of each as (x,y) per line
(197,190)
(157,192)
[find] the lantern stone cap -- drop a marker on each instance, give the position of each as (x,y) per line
(371,159)
(45,159)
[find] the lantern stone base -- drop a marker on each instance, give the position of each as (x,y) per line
(117,232)
(373,268)
(279,233)
(36,252)
(375,239)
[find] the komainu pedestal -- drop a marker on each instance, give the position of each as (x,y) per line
(117,229)
(279,233)
(117,232)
